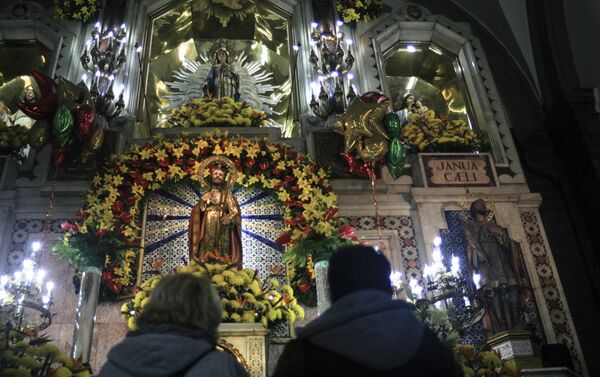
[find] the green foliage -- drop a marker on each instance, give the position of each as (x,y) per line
(91,248)
(320,249)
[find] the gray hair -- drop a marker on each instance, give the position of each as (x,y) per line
(186,300)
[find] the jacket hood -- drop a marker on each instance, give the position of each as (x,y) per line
(159,352)
(368,327)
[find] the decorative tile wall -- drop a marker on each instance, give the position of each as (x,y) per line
(562,325)
(19,247)
(411,262)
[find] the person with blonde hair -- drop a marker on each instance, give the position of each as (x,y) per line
(176,335)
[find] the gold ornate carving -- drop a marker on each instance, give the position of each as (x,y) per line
(230,176)
(228,347)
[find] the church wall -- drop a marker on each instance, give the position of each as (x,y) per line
(410,218)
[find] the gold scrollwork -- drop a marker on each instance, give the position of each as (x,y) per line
(228,347)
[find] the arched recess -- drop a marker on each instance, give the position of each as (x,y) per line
(28,20)
(140,16)
(414,23)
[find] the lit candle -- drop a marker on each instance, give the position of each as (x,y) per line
(49,287)
(396,279)
(455,265)
(477,280)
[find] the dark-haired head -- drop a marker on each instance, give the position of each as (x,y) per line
(358,267)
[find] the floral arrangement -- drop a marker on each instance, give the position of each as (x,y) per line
(26,354)
(243,296)
(113,204)
(484,363)
(13,140)
(427,132)
(222,112)
(353,11)
(79,10)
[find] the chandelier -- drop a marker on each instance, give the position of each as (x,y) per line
(332,59)
(444,288)
(25,289)
(105,50)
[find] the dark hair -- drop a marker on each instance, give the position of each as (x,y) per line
(353,268)
(186,300)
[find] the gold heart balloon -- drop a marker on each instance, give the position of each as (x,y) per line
(362,128)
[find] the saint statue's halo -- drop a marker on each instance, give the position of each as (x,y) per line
(465,210)
(227,165)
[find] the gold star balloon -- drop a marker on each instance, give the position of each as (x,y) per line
(362,128)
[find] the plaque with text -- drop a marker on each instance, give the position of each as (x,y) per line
(457,170)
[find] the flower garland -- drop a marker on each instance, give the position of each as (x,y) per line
(13,140)
(113,204)
(223,112)
(26,353)
(244,297)
(484,363)
(354,11)
(427,132)
(79,10)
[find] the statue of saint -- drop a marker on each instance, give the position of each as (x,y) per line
(19,118)
(215,223)
(496,258)
(222,80)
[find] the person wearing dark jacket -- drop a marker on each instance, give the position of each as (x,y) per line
(365,332)
(176,336)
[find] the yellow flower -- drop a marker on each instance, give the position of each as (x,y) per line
(146,153)
(178,152)
(117,180)
(175,171)
(137,190)
(147,176)
(161,175)
(283,195)
(233,150)
(97,181)
(252,151)
(160,155)
(281,165)
(248,316)
(217,150)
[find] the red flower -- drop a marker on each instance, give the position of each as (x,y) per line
(148,166)
(132,242)
(179,161)
(118,206)
(126,217)
(191,161)
(250,163)
(284,238)
(108,278)
(101,232)
(264,165)
(69,227)
(82,213)
(295,188)
(136,164)
(276,171)
(346,231)
(290,178)
(163,163)
(304,287)
(330,213)
(130,201)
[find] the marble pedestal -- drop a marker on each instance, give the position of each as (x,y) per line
(516,345)
(248,343)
